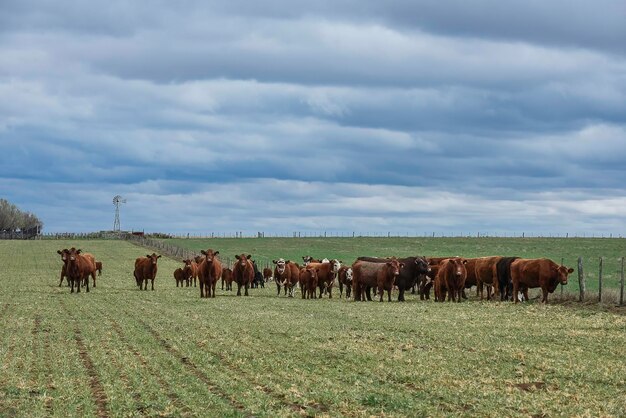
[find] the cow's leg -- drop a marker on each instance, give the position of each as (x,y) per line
(348,291)
(515,291)
(246,289)
(152,280)
(61,282)
(389,295)
(544,291)
(238,289)
(72,283)
(201,289)
(87,284)
(93,276)
(463,295)
(214,286)
(479,289)
(401,294)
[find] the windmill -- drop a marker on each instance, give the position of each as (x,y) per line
(117,200)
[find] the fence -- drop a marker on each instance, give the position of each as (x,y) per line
(365,234)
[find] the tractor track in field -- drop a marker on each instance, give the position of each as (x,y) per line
(38,331)
(171,395)
(98,393)
(211,386)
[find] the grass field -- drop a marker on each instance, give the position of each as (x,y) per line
(118,351)
(347,249)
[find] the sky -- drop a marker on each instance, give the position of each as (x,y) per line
(408,117)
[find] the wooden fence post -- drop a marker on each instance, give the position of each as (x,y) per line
(621,290)
(600,280)
(581,279)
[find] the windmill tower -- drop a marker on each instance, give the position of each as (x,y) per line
(117,200)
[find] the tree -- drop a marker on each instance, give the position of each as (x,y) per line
(12,219)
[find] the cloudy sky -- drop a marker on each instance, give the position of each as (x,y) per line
(279,116)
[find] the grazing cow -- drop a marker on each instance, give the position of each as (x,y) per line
(286,274)
(267,274)
(190,270)
(227,277)
(209,271)
(180,277)
(63,253)
(539,272)
(326,275)
(344,278)
(78,268)
(375,274)
(451,279)
(414,271)
(99,268)
(258,280)
(503,271)
(243,272)
(146,269)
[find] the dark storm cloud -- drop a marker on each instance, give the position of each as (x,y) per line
(316,116)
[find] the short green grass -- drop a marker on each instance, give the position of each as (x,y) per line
(119,351)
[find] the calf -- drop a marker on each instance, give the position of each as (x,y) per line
(344,277)
(209,271)
(308,283)
(63,253)
(190,271)
(267,274)
(380,275)
(227,277)
(78,268)
(258,280)
(451,279)
(539,272)
(326,276)
(99,268)
(146,269)
(180,277)
(243,272)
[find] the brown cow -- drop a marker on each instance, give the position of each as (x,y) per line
(146,269)
(308,259)
(451,279)
(227,277)
(190,271)
(243,272)
(267,274)
(308,283)
(180,277)
(209,272)
(286,274)
(538,272)
(99,268)
(486,273)
(63,253)
(428,281)
(344,277)
(78,268)
(326,275)
(380,275)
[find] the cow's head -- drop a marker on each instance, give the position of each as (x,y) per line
(63,253)
(459,266)
(243,259)
(307,259)
(349,275)
(280,265)
(422,265)
(562,273)
(153,258)
(209,255)
(336,265)
(395,266)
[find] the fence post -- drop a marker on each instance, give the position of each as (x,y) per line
(581,279)
(621,288)
(600,280)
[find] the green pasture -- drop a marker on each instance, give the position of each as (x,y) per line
(118,351)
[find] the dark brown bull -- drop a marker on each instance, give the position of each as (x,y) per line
(451,279)
(243,272)
(538,272)
(146,269)
(379,275)
(209,272)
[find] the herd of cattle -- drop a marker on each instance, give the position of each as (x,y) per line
(449,277)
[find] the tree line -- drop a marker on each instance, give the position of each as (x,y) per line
(14,220)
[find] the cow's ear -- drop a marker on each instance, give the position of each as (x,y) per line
(79,251)
(464,261)
(401,265)
(148,255)
(570,270)
(249,256)
(159,256)
(202,252)
(216,253)
(237,257)
(287,262)
(274,261)
(59,252)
